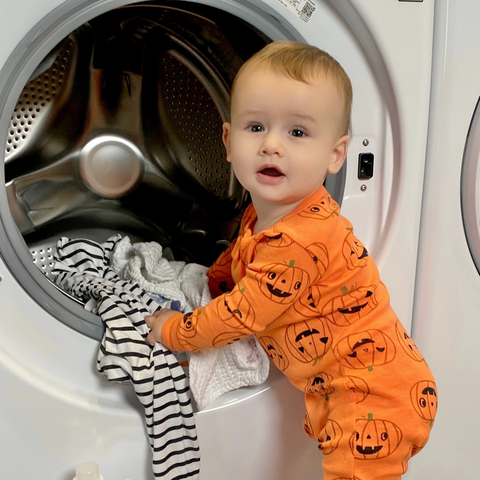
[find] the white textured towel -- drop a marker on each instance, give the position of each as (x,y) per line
(212,372)
(220,370)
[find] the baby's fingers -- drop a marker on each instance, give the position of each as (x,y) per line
(150,339)
(149,320)
(156,322)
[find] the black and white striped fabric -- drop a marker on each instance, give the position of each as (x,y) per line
(82,269)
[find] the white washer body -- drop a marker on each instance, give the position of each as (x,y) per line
(54,411)
(447,301)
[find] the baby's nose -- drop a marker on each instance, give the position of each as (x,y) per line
(272,144)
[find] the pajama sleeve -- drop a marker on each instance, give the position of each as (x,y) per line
(274,277)
(219,275)
(220,279)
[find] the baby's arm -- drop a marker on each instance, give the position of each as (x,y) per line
(219,281)
(271,282)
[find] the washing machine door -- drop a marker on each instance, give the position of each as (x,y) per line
(470,188)
(111,114)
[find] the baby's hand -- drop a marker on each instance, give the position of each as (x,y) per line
(156,322)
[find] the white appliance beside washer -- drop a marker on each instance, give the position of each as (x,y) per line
(447,303)
(54,411)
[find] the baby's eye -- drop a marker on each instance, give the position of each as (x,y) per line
(255,128)
(298,132)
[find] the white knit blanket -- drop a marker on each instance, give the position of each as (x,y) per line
(212,372)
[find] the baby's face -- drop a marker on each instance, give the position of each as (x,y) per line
(284,137)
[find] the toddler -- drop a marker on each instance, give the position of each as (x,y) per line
(300,281)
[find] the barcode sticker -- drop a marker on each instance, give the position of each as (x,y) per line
(304,9)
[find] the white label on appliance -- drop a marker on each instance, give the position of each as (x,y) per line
(304,9)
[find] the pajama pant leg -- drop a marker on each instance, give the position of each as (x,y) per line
(377,418)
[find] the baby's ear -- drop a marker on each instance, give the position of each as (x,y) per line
(339,155)
(226,139)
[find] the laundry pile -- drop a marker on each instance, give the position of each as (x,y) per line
(184,287)
(122,283)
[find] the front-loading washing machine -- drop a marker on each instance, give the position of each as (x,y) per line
(111,113)
(445,322)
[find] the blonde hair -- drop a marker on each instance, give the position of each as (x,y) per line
(303,62)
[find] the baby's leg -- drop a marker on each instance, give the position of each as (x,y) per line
(372,424)
(376,449)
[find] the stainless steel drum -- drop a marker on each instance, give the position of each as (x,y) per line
(119,130)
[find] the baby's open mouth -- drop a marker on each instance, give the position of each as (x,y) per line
(271,172)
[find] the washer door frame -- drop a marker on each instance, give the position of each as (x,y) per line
(470,187)
(35,46)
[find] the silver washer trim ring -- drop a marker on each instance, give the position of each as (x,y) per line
(470,187)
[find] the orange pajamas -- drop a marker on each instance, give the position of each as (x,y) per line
(309,291)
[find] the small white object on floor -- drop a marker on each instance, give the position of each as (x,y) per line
(88,471)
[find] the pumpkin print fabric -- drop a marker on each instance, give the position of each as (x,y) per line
(310,292)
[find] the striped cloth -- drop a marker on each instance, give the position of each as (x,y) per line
(82,269)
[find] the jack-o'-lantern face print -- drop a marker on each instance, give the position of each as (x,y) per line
(424,399)
(221,272)
(244,249)
(223,280)
(319,254)
(308,341)
(374,439)
(320,384)
(281,283)
(346,309)
(323,210)
(188,327)
(365,350)
(407,343)
(307,426)
(330,437)
(235,310)
(279,240)
(308,302)
(226,338)
(359,387)
(275,352)
(354,252)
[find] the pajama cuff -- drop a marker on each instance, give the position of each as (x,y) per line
(167,337)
